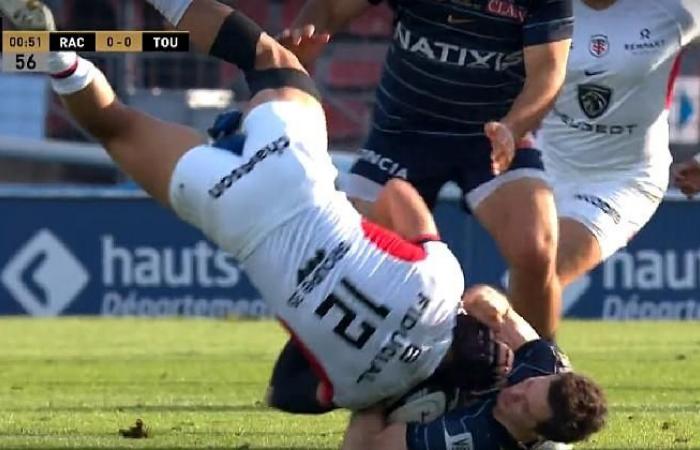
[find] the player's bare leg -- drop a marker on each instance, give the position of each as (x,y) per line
(146,148)
(521,217)
(578,251)
(400,208)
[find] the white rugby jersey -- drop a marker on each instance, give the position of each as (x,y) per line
(612,113)
(373,312)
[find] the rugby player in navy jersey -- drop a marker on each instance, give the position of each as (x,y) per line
(464,83)
(541,402)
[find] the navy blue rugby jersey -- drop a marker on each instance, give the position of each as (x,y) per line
(474,427)
(454,65)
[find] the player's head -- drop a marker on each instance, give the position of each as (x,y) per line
(477,361)
(562,408)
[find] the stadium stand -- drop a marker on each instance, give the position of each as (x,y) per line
(347,72)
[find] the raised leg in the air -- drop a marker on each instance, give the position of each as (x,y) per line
(146,148)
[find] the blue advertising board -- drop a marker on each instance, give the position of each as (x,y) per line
(117,253)
(657,276)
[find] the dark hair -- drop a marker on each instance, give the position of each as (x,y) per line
(578,409)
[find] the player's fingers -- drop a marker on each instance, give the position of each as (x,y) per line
(490,128)
(296,36)
(285,37)
(499,159)
(504,359)
(308,30)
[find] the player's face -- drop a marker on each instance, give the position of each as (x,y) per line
(526,403)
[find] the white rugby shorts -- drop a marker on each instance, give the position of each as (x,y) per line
(238,199)
(613,211)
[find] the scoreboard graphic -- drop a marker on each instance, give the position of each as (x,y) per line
(25,51)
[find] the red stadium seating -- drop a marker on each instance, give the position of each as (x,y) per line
(377,22)
(353,73)
(258,10)
(347,119)
(290,9)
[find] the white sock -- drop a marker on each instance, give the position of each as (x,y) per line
(69,72)
(172,10)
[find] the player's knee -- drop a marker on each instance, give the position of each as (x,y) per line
(533,252)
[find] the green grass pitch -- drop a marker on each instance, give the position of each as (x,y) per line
(72,383)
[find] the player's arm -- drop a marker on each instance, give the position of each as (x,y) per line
(220,31)
(545,68)
(401,209)
(547,39)
(686,176)
(317,20)
(368,430)
(547,35)
(493,308)
(462,424)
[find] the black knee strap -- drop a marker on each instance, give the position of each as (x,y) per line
(237,41)
(281,78)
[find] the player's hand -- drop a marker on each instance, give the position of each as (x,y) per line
(686,176)
(304,42)
(502,146)
(477,348)
(487,305)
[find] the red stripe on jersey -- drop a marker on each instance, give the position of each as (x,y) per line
(423,238)
(393,244)
(68,72)
(675,71)
(327,390)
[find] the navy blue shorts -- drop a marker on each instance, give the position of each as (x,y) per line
(428,162)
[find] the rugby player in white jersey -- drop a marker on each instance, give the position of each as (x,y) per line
(606,142)
(374,313)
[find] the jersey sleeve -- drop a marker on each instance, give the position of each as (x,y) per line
(462,428)
(548,21)
(689,19)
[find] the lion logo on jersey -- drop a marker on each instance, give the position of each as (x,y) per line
(594,99)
